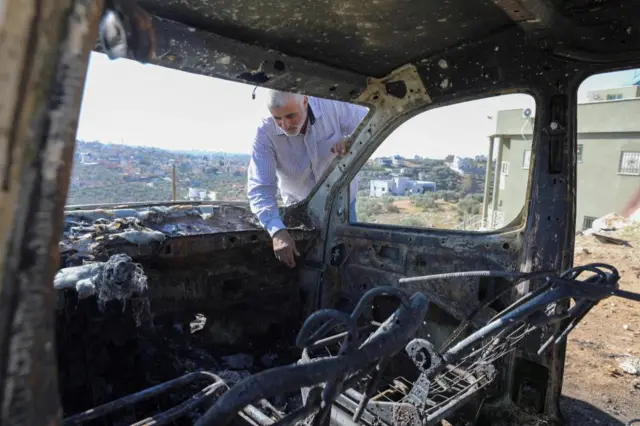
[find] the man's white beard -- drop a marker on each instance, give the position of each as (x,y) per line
(295,133)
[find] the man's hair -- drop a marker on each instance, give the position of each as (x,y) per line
(278,99)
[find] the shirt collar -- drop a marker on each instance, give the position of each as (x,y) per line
(314,111)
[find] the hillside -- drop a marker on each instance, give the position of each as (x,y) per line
(111,173)
(108,173)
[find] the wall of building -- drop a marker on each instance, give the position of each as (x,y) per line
(605,130)
(379,188)
(601,188)
(626,92)
(595,117)
(513,186)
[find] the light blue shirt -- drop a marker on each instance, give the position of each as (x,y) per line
(294,164)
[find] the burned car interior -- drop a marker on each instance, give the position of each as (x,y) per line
(178,312)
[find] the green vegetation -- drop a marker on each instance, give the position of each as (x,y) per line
(367,208)
(470,205)
(106,173)
(425,201)
(412,222)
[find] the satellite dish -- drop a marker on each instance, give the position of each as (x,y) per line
(526,113)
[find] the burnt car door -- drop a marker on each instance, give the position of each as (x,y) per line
(522,224)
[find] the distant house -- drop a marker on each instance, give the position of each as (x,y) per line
(383,161)
(398,161)
(197,194)
(399,185)
(379,188)
(461,165)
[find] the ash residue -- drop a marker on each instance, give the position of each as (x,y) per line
(238,361)
(87,232)
(119,278)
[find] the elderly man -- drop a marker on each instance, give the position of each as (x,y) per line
(291,151)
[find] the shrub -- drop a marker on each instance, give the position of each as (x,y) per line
(426,201)
(367,207)
(449,196)
(412,221)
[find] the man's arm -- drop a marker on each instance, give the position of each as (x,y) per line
(262,184)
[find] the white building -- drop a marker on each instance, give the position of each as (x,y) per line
(197,194)
(398,161)
(379,188)
(399,185)
(459,164)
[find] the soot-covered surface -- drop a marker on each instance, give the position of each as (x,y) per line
(363,36)
(149,294)
(374,37)
(103,354)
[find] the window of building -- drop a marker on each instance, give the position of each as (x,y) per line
(630,163)
(438,180)
(526,159)
(610,148)
(579,153)
(587,222)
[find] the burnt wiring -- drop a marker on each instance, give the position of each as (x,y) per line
(447,378)
(346,363)
(518,278)
(166,417)
(356,357)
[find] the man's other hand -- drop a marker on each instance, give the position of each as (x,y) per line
(285,248)
(340,148)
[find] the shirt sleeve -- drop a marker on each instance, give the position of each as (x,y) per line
(351,116)
(262,184)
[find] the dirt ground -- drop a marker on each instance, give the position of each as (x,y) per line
(596,391)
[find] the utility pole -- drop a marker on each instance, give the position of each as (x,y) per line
(173,182)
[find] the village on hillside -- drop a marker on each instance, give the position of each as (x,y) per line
(446,190)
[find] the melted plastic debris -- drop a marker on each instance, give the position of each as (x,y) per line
(232,377)
(268,360)
(141,237)
(119,278)
(87,232)
(198,323)
(238,361)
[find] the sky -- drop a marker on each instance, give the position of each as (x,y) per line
(147,105)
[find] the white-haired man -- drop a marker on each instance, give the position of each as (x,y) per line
(292,149)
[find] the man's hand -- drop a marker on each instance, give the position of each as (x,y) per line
(340,148)
(285,248)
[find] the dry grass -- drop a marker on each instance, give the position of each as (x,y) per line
(443,217)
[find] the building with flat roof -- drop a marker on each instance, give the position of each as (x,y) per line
(399,185)
(608,156)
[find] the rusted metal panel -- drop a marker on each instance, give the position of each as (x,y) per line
(46,44)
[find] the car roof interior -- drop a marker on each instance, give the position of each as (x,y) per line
(372,38)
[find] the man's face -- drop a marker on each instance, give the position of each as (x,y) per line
(291,117)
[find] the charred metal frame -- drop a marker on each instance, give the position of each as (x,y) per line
(45,48)
(472,356)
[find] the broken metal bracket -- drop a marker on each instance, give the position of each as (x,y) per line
(395,91)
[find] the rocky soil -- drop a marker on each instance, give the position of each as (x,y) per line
(600,384)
